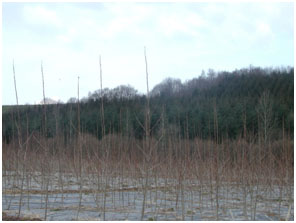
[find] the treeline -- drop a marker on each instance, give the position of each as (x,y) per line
(216,105)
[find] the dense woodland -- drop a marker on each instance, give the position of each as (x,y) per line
(215,105)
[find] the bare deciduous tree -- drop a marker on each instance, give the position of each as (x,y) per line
(265,112)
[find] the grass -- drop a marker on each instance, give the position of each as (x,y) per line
(57,209)
(6,217)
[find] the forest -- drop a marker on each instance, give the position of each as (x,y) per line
(251,99)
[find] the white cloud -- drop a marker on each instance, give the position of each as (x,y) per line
(263,28)
(195,20)
(64,38)
(125,18)
(37,14)
(116,26)
(170,24)
(187,23)
(68,36)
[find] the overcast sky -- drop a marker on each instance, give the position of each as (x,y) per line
(181,39)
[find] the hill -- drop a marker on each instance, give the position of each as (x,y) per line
(215,105)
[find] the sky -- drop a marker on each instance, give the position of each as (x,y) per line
(181,40)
